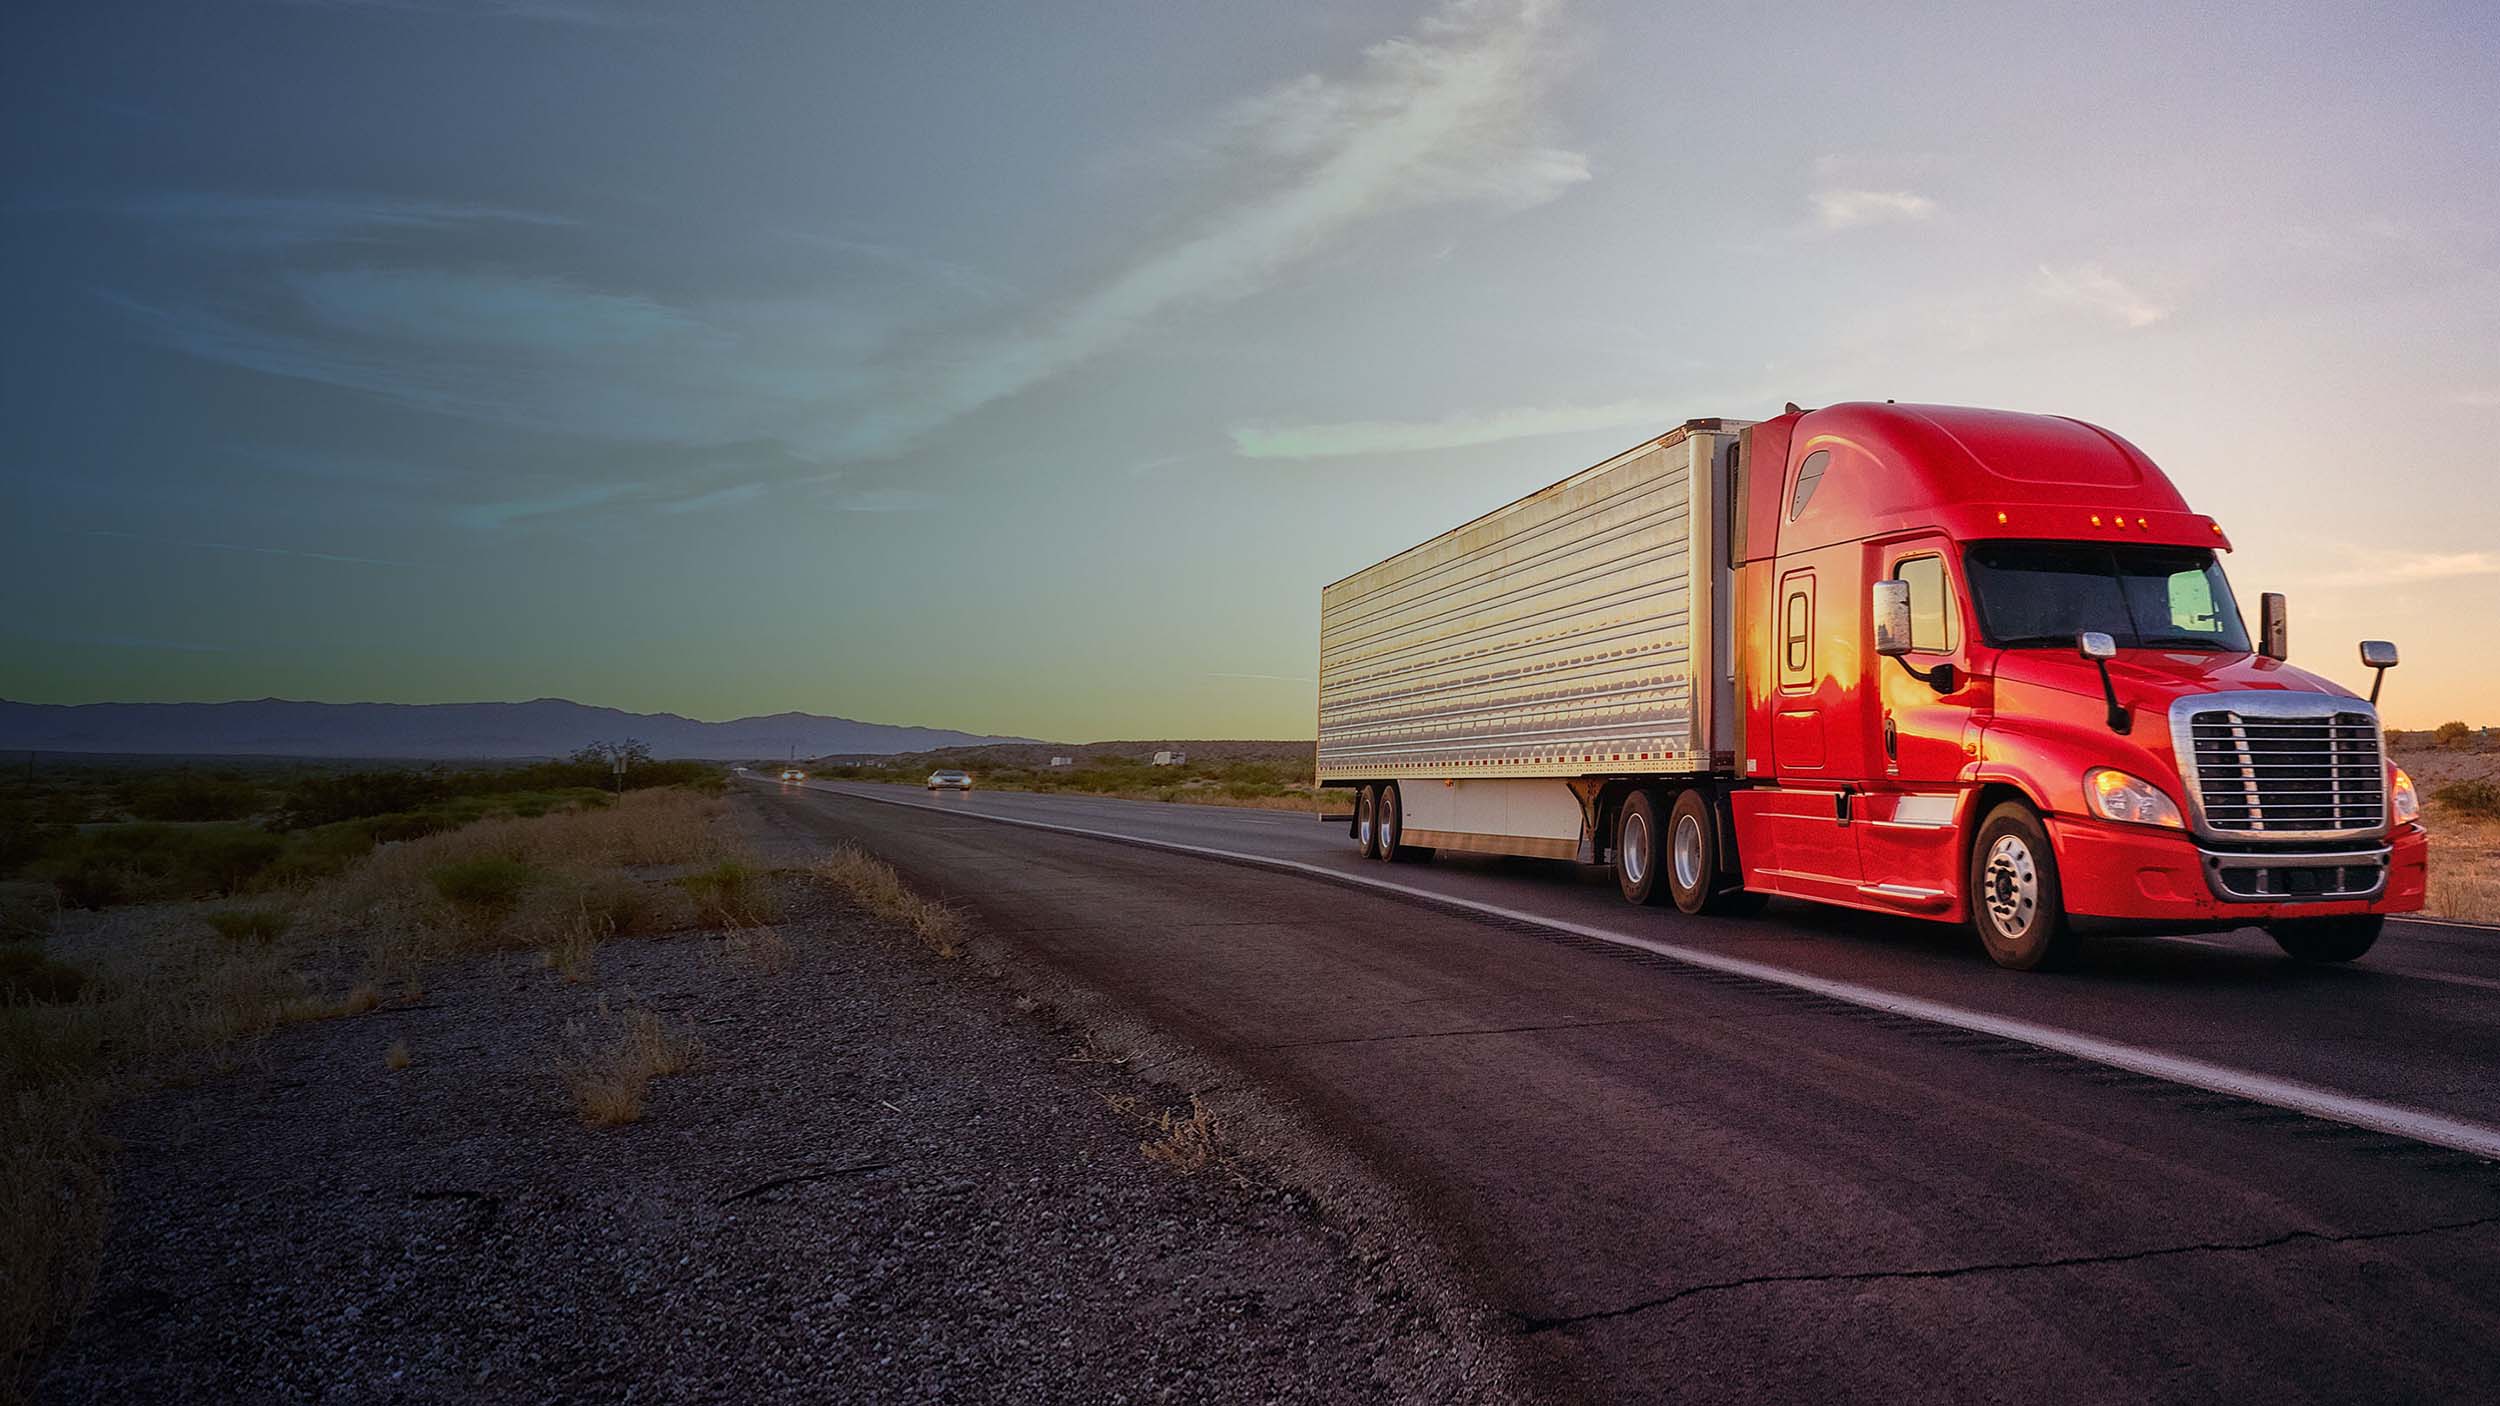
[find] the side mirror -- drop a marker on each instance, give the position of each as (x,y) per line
(2274,627)
(2098,647)
(1888,604)
(2378,656)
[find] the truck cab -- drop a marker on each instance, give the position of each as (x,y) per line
(1989,667)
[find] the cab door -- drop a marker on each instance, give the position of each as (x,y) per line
(1921,735)
(1810,812)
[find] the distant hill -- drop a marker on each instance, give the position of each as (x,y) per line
(542,727)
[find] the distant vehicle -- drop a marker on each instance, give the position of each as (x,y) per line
(950,781)
(791,773)
(1939,662)
(1171,759)
(1058,762)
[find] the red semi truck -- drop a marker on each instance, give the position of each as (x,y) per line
(1959,664)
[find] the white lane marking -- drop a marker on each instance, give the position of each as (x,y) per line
(2394,1119)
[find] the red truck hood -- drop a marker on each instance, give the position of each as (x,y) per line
(2148,679)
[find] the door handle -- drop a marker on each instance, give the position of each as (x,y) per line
(1892,740)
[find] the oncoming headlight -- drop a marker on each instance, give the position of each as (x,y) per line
(2132,800)
(2401,797)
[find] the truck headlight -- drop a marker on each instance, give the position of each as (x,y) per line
(2114,795)
(2401,797)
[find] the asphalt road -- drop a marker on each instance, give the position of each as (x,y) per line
(1810,1155)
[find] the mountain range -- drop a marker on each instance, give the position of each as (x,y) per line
(542,727)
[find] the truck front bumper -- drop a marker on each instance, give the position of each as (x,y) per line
(2131,873)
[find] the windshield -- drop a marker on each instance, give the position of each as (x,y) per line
(2043,593)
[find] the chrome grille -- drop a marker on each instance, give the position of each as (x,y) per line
(2283,766)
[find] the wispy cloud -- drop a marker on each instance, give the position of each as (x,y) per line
(1324,441)
(2096,290)
(561,502)
(732,496)
(245,547)
(1849,209)
(289,220)
(2398,568)
(2477,400)
(885,500)
(1451,114)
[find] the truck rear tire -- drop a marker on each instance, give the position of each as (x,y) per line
(1695,867)
(1639,834)
(1367,821)
(2016,902)
(2326,939)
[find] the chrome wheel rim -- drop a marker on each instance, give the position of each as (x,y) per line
(1363,819)
(2009,885)
(1635,848)
(1388,822)
(1687,853)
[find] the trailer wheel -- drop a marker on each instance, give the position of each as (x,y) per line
(1367,821)
(2327,939)
(2016,902)
(1640,849)
(1392,829)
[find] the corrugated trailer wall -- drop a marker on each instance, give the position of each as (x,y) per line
(1552,637)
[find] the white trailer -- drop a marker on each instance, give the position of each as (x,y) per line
(1489,684)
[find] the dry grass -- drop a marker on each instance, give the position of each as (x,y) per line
(1185,1144)
(873,884)
(609,1077)
(165,1002)
(397,1057)
(2465,866)
(760,948)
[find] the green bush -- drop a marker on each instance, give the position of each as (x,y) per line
(28,975)
(255,925)
(491,884)
(151,863)
(2453,735)
(729,892)
(2471,797)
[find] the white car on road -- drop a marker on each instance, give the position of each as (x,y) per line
(950,781)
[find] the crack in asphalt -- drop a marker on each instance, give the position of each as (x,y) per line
(1531,1324)
(1467,1030)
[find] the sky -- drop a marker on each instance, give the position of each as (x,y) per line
(1028,369)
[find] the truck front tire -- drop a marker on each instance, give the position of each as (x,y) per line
(2016,902)
(2326,939)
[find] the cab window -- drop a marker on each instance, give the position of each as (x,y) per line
(1797,632)
(1809,478)
(1931,603)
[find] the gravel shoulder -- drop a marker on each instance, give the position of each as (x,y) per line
(885,1177)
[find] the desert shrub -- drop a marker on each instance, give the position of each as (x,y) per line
(357,795)
(28,975)
(148,862)
(2454,735)
(259,925)
(192,797)
(490,883)
(2471,797)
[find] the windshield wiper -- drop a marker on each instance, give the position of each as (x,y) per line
(2187,642)
(2030,641)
